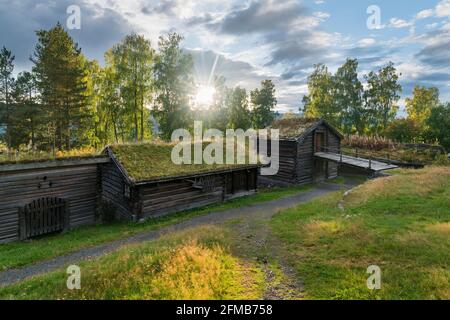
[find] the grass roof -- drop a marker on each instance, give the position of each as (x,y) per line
(152,161)
(294,127)
(26,157)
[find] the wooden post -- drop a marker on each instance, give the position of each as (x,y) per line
(341,156)
(22,224)
(370,162)
(66,216)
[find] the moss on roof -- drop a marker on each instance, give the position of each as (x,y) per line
(152,161)
(294,127)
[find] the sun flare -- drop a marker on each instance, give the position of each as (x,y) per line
(204,96)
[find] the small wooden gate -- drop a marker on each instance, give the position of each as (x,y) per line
(43,216)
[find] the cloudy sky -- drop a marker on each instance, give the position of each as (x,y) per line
(254,40)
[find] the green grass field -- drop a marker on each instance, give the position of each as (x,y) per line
(19,254)
(399,223)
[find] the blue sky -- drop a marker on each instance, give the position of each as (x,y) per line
(258,39)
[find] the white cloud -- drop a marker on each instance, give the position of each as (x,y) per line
(321,15)
(443,9)
(399,23)
(425,14)
(365,42)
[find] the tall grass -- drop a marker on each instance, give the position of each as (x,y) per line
(191,265)
(376,143)
(39,155)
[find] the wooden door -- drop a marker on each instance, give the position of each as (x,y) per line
(319,142)
(43,216)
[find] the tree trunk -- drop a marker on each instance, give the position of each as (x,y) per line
(32,121)
(142,116)
(8,124)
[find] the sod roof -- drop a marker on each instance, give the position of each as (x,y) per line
(148,162)
(294,127)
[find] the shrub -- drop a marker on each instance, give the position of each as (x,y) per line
(441,160)
(371,143)
(404,130)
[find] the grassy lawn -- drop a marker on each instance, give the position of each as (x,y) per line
(187,265)
(314,251)
(400,223)
(18,254)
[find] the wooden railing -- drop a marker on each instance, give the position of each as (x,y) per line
(343,155)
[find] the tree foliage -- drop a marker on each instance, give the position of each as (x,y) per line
(438,125)
(320,101)
(381,97)
(348,92)
(60,71)
(6,82)
(420,105)
(264,102)
(238,112)
(173,84)
(132,60)
(340,98)
(403,130)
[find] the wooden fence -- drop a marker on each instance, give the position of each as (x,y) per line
(43,216)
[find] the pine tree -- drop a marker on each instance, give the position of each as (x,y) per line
(6,82)
(264,103)
(27,112)
(61,72)
(238,112)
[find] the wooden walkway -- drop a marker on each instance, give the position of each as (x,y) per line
(363,163)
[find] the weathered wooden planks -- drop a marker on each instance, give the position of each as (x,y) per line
(43,216)
(76,182)
(362,163)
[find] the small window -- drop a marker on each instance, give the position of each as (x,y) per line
(127,192)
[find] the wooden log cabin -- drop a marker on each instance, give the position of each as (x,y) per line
(142,182)
(47,196)
(300,138)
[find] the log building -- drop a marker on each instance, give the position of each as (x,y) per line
(300,139)
(142,182)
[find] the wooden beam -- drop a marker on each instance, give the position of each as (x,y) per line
(51,164)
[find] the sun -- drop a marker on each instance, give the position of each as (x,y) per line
(204,96)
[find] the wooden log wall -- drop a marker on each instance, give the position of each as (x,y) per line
(305,160)
(287,161)
(158,199)
(78,184)
(113,191)
(178,195)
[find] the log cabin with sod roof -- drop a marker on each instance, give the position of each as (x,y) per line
(142,182)
(135,182)
(300,140)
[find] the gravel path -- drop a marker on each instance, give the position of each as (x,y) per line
(264,210)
